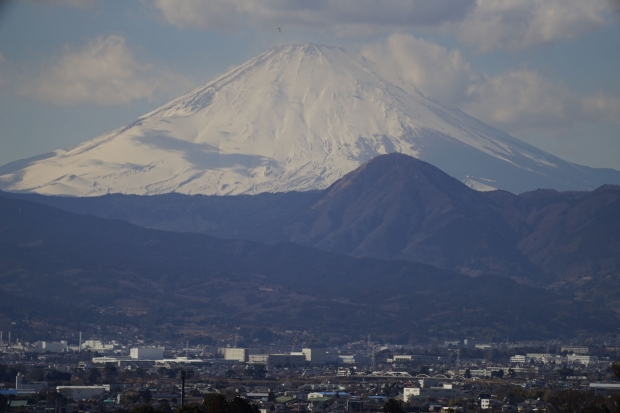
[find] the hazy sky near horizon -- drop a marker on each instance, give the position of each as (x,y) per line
(546,71)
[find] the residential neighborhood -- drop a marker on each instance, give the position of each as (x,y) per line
(120,376)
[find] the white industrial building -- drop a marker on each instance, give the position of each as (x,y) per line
(82,392)
(586,360)
(286,360)
(124,361)
(27,388)
(146,353)
(278,359)
(604,388)
(240,354)
(519,359)
(544,357)
(259,359)
(314,356)
(446,391)
(98,345)
(575,349)
(407,358)
(354,359)
(51,346)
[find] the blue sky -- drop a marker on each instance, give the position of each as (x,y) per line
(545,71)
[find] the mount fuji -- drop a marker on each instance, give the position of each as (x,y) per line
(297,117)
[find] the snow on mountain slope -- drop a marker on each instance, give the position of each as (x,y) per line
(296,117)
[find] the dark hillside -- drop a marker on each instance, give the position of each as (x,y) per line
(93,264)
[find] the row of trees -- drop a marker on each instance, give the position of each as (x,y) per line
(212,403)
(8,373)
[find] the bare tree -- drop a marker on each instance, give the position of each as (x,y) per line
(576,401)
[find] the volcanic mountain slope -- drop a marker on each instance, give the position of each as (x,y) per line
(51,255)
(294,118)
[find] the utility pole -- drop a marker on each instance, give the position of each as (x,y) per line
(372,361)
(182,388)
(372,351)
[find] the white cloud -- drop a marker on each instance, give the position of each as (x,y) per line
(486,25)
(519,24)
(103,72)
(443,73)
(518,101)
(602,106)
(80,4)
(523,101)
(339,15)
(2,81)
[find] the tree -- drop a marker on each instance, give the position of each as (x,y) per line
(613,403)
(145,395)
(576,401)
(37,374)
(57,376)
(214,403)
(393,406)
(110,370)
(563,372)
(93,375)
(146,409)
(190,408)
(257,371)
(468,374)
(239,405)
(499,374)
(615,366)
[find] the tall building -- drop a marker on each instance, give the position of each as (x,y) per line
(314,355)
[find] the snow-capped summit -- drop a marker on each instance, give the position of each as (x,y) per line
(296,117)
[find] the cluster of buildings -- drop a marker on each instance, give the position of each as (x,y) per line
(307,356)
(61,346)
(546,358)
(355,377)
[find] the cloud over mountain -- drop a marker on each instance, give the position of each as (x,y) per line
(485,25)
(519,24)
(102,72)
(517,100)
(339,15)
